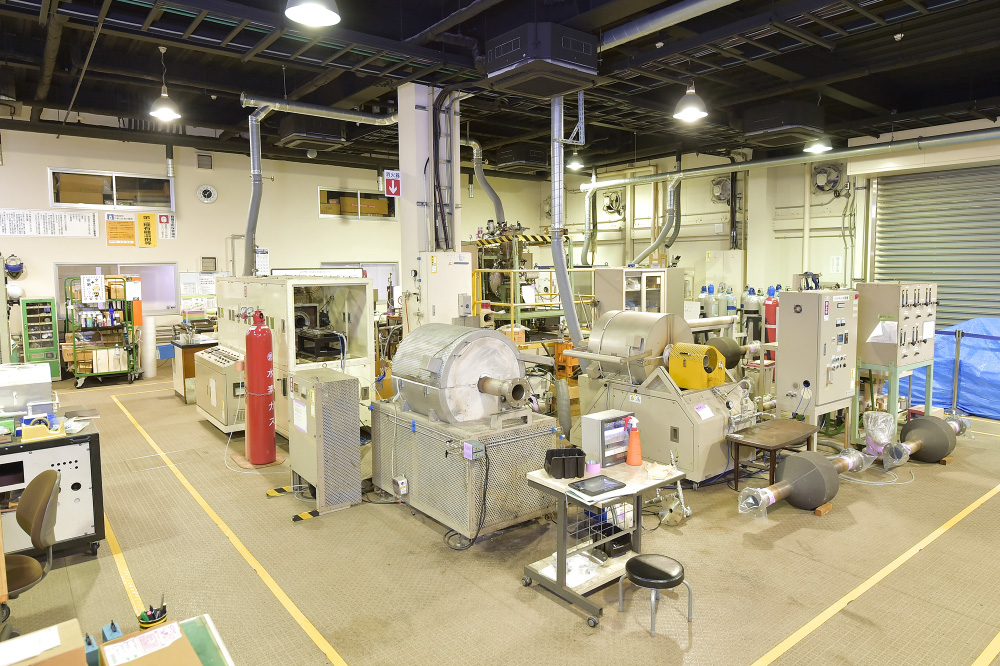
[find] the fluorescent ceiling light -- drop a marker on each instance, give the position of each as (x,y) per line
(818,146)
(691,107)
(313,13)
(574,162)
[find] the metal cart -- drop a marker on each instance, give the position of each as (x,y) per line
(613,525)
(112,316)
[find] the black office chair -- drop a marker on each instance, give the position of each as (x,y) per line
(36,514)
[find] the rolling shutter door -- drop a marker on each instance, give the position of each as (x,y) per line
(942,227)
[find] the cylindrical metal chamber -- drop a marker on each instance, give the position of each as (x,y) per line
(625,333)
(438,368)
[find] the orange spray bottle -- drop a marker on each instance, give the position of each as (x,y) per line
(634,456)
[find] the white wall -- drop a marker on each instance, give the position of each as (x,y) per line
(289,226)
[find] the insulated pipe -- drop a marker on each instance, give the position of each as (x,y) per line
(477,165)
(588,221)
(672,15)
(558,253)
(514,391)
(807,480)
(474,8)
(317,110)
(668,227)
(806,217)
(712,322)
(53,37)
(256,191)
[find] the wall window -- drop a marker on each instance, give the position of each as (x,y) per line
(160,283)
(69,188)
(356,204)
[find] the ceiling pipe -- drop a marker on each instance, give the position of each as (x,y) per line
(317,111)
(53,38)
(920,143)
(657,21)
(477,165)
(450,21)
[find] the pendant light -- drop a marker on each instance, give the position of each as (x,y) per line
(575,163)
(690,107)
(164,108)
(313,13)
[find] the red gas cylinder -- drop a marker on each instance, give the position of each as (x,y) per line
(260,393)
(770,319)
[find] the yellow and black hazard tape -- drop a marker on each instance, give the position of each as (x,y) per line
(305,516)
(524,238)
(278,492)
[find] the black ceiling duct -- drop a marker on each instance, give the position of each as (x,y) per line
(783,123)
(309,133)
(542,60)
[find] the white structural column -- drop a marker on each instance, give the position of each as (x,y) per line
(415,207)
(761,246)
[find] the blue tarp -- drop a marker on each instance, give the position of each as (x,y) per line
(978,369)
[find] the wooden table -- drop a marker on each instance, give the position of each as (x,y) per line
(772,436)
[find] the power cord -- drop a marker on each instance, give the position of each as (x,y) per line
(451,534)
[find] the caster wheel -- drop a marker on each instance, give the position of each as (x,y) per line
(593,621)
(695,485)
(4,612)
(526,581)
(93,547)
(80,381)
(131,378)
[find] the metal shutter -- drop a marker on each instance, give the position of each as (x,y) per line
(942,227)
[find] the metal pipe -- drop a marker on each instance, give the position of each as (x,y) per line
(90,52)
(806,217)
(712,322)
(954,385)
(256,190)
(317,111)
(514,391)
(668,227)
(450,21)
(477,165)
(588,221)
(170,160)
(672,15)
(53,37)
(920,143)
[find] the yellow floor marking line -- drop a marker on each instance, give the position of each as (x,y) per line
(126,575)
(991,652)
(272,585)
(839,605)
(109,388)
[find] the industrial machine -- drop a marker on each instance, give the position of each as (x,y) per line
(315,322)
(627,360)
(896,322)
(219,388)
(445,286)
(642,289)
(816,368)
(324,447)
(456,440)
(605,436)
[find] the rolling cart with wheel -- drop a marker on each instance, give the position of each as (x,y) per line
(605,536)
(101,335)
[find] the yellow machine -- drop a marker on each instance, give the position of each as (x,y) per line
(696,366)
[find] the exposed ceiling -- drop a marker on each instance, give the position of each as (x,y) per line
(873,66)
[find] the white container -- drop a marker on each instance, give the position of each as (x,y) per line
(24,388)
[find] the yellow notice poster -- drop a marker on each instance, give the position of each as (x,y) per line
(147,230)
(120,228)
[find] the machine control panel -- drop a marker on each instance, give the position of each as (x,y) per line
(605,436)
(220,356)
(817,361)
(897,322)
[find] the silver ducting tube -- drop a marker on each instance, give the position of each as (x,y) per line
(671,222)
(566,294)
(589,226)
(318,111)
(647,25)
(256,191)
(477,165)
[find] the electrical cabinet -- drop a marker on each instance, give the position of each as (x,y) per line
(817,361)
(605,436)
(896,322)
(219,389)
(315,322)
(41,337)
(643,290)
(445,286)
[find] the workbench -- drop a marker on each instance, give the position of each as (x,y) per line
(772,436)
(184,352)
(551,572)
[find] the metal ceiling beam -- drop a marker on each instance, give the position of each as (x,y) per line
(474,8)
(802,35)
(864,12)
(234,32)
(889,119)
(195,23)
(826,24)
(305,47)
(265,41)
(609,13)
(155,12)
(919,6)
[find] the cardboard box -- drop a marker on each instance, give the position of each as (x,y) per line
(69,652)
(515,333)
(373,207)
(332,208)
(78,197)
(165,645)
(84,352)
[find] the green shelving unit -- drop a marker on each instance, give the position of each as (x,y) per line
(41,333)
(114,350)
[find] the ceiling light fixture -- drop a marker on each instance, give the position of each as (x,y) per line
(691,107)
(820,145)
(574,162)
(313,13)
(164,108)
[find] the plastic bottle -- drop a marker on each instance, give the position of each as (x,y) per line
(711,303)
(702,298)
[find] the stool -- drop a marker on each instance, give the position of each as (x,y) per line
(654,573)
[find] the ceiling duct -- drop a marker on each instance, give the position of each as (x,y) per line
(8,95)
(522,158)
(783,123)
(542,60)
(308,133)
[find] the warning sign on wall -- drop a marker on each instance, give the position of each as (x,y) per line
(120,228)
(147,230)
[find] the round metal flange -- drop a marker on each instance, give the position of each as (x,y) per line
(936,438)
(814,479)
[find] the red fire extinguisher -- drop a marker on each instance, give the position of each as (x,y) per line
(260,393)
(770,319)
